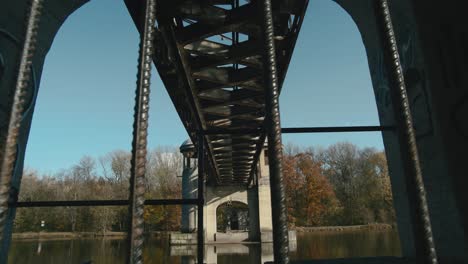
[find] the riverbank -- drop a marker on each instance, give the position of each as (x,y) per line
(67,235)
(80,235)
(122,235)
(374,227)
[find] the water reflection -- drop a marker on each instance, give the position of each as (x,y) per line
(225,253)
(157,251)
(228,253)
(68,251)
(347,244)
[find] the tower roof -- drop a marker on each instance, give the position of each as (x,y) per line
(187,146)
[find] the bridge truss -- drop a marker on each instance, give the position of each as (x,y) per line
(210,56)
(223,63)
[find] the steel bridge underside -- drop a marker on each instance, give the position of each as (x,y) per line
(210,56)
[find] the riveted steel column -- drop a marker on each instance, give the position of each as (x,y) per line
(140,133)
(425,250)
(273,127)
(201,198)
(10,144)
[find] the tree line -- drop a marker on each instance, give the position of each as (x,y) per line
(338,185)
(104,178)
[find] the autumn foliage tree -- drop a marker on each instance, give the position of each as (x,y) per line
(310,197)
(339,185)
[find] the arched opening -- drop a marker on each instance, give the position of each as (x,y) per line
(232,216)
(84,106)
(81,129)
(335,179)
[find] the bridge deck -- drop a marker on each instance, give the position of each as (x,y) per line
(210,56)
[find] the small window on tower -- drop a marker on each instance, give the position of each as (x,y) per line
(266,157)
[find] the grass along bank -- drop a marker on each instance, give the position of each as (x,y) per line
(302,229)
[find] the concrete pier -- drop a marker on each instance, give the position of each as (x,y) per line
(256,197)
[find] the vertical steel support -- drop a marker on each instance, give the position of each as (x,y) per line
(425,249)
(140,133)
(10,144)
(273,127)
(201,198)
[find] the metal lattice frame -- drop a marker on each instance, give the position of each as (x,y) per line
(140,134)
(422,228)
(273,127)
(9,151)
(201,198)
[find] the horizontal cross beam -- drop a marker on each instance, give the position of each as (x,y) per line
(292,130)
(101,203)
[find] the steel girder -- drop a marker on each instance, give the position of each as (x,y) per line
(209,56)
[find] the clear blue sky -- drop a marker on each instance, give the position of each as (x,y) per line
(86,99)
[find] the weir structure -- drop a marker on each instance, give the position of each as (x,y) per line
(226,93)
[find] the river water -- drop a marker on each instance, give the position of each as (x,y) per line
(316,245)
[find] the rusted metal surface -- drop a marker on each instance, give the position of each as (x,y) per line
(140,133)
(425,248)
(273,127)
(9,151)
